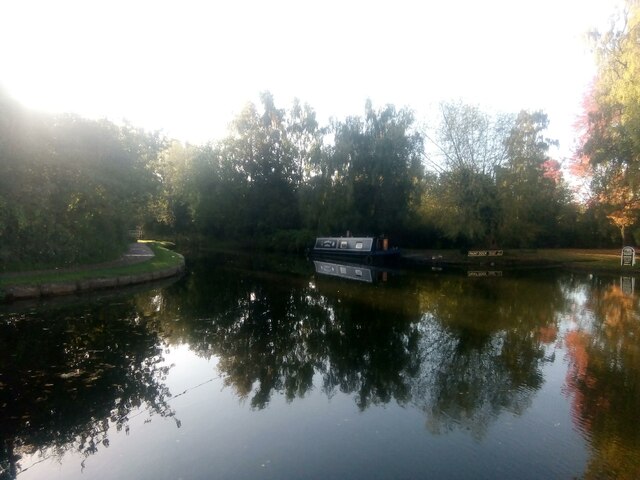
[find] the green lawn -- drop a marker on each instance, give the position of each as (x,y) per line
(163,259)
(593,259)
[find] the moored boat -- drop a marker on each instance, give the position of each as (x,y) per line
(363,248)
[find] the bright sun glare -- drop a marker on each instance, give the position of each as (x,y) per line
(186,67)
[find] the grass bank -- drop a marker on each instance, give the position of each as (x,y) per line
(573,259)
(164,263)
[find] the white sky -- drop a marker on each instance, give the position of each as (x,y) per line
(187,67)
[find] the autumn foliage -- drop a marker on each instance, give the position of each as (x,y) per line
(608,154)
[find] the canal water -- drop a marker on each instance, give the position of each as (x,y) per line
(282,368)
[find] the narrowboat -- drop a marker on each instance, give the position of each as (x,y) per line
(362,248)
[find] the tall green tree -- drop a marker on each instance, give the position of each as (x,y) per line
(261,171)
(375,170)
(306,138)
(174,205)
(532,192)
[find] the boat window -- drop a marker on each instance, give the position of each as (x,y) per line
(343,270)
(358,272)
(359,245)
(344,244)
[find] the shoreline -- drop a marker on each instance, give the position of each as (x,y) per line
(142,263)
(594,260)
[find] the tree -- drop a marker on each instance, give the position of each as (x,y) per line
(609,149)
(470,139)
(305,136)
(70,188)
(531,189)
(469,148)
(374,169)
(465,206)
(175,202)
(261,172)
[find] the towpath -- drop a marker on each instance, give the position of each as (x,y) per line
(136,253)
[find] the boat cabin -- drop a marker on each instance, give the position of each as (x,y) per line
(345,244)
(354,246)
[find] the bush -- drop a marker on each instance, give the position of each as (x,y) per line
(291,241)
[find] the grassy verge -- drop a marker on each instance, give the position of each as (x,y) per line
(598,259)
(579,259)
(162,260)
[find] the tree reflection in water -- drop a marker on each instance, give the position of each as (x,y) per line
(603,380)
(67,378)
(274,333)
(484,342)
(461,350)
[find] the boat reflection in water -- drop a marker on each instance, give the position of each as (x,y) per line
(350,271)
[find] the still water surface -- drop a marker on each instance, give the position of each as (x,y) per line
(276,368)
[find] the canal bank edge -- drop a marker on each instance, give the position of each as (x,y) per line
(149,270)
(583,260)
